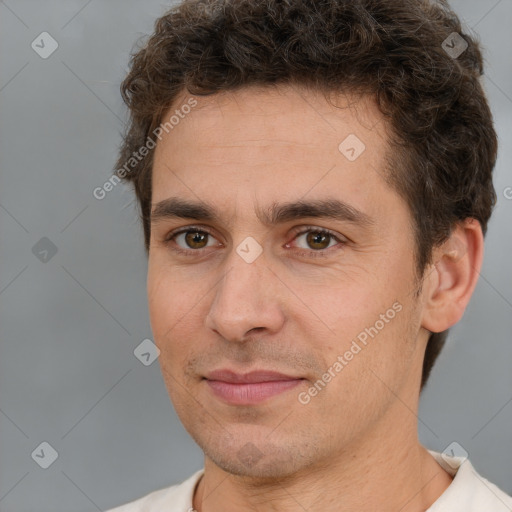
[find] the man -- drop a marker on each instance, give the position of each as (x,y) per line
(315,180)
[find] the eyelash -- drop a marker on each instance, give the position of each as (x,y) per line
(311,253)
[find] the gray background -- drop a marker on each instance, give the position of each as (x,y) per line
(69,326)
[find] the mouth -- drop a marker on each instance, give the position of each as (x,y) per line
(249,388)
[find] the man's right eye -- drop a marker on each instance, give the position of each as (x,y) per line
(190,240)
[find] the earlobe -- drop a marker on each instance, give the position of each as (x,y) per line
(451,280)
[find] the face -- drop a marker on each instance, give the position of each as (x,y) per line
(281,279)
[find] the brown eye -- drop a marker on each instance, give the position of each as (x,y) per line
(191,239)
(315,242)
(318,240)
(196,239)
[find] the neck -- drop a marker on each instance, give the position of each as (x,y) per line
(387,469)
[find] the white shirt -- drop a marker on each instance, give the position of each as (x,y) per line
(468,492)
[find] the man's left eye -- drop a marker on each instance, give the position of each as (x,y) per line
(317,240)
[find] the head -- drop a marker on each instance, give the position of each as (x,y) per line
(246,109)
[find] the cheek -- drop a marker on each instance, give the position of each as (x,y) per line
(347,309)
(169,303)
(366,375)
(177,313)
(160,302)
(371,326)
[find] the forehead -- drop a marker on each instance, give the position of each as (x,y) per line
(272,144)
(294,113)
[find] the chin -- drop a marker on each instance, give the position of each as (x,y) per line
(255,456)
(257,464)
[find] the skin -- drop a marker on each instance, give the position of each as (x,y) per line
(354,446)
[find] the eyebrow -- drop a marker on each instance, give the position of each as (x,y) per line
(277,213)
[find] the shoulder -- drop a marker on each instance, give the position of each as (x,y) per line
(175,498)
(469,491)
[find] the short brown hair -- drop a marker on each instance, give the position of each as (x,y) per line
(443,136)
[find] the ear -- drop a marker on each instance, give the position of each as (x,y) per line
(450,281)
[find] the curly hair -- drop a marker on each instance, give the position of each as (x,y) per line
(443,138)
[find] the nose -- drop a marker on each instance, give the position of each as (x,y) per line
(246,299)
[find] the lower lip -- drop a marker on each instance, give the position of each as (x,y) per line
(248,394)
